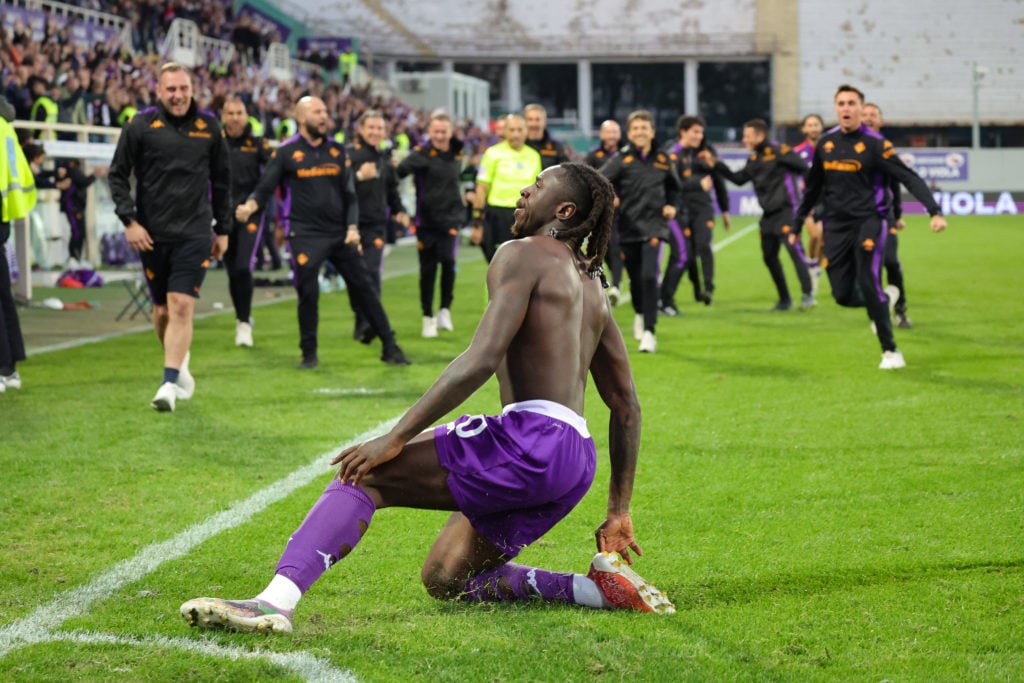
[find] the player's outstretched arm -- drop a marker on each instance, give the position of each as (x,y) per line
(613,379)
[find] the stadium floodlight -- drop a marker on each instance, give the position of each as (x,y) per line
(978,73)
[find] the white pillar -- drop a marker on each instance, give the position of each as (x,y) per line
(389,71)
(448,66)
(513,87)
(584,97)
(690,87)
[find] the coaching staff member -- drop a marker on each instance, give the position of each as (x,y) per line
(851,170)
(323,217)
(183,182)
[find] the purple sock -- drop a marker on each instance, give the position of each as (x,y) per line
(331,529)
(171,375)
(525,583)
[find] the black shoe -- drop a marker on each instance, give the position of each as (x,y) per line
(705,298)
(393,355)
(308,363)
(903,321)
(783,305)
(364,333)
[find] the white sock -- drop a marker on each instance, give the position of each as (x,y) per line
(585,592)
(282,593)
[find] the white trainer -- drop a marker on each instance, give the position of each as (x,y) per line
(893,292)
(444,320)
(648,343)
(242,616)
(614,295)
(429,327)
(638,326)
(186,382)
(892,360)
(165,397)
(243,334)
(11,381)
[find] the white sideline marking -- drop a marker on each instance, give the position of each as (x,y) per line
(742,232)
(301,663)
(351,391)
(37,626)
(149,328)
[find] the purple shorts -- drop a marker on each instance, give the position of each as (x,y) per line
(515,475)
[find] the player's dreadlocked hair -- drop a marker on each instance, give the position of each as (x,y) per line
(595,201)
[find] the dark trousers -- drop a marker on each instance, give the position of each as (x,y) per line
(437,248)
(308,254)
(854,253)
(12,345)
(239,260)
(678,256)
(698,233)
(641,260)
(775,231)
(76,221)
(894,269)
(371,237)
(497,229)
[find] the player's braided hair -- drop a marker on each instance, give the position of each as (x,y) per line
(595,203)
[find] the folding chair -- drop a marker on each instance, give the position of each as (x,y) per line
(139,298)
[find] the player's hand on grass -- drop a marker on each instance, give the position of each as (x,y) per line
(616,535)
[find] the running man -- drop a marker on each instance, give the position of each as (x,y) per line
(508,478)
(851,168)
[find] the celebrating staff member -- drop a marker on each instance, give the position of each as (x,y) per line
(183,183)
(250,154)
(321,200)
(850,169)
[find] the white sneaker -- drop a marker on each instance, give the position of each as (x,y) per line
(11,381)
(815,272)
(186,382)
(892,360)
(893,292)
(638,326)
(444,320)
(429,327)
(165,397)
(614,295)
(243,334)
(3,387)
(648,344)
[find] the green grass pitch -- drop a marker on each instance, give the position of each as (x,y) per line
(812,517)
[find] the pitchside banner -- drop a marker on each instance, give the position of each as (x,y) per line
(935,166)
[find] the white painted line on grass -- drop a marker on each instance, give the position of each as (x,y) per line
(198,316)
(353,391)
(742,232)
(300,663)
(37,626)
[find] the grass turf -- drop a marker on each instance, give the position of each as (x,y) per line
(813,517)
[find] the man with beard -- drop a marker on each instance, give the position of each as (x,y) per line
(812,127)
(183,182)
(320,198)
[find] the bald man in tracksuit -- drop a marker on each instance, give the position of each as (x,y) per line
(323,224)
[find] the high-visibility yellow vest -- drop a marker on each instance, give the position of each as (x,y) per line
(17,184)
(256,126)
(49,105)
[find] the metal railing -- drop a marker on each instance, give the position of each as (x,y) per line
(80,148)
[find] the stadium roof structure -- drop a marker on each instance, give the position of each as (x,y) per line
(539,29)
